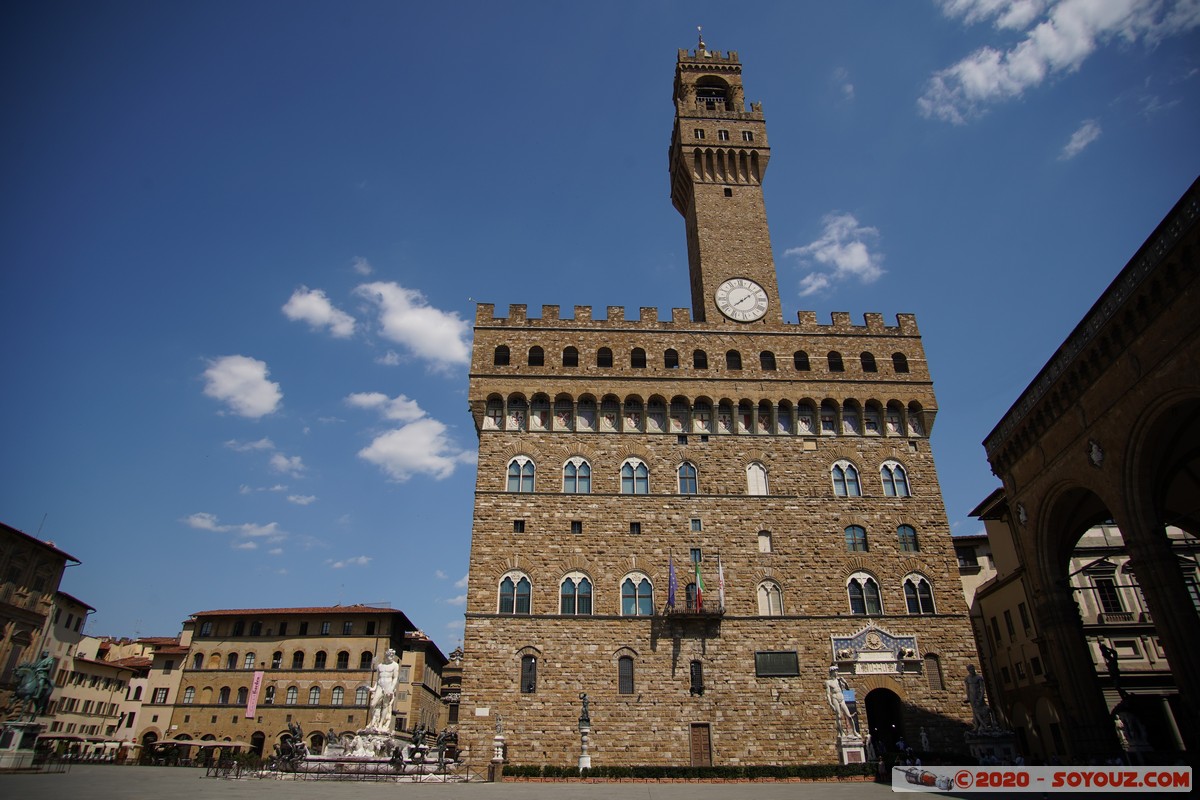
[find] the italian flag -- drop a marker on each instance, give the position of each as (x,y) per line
(699,588)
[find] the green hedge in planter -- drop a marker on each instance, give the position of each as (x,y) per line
(757,772)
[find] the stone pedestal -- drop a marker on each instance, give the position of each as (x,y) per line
(17,741)
(852,748)
(496,767)
(995,745)
(585,760)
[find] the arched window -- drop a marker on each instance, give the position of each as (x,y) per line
(292,695)
(537,357)
(189,695)
(277,659)
(856,539)
(520,474)
(699,359)
(766,360)
(899,362)
(800,360)
(339,694)
(298,660)
(249,661)
(625,675)
(687,478)
(637,596)
(343,660)
(575,595)
(733,360)
(845,480)
(933,672)
(906,536)
(242,695)
(570,357)
(895,479)
(231,661)
(868,363)
(671,359)
(637,358)
(319,660)
(864,595)
(835,362)
(223,696)
(756,479)
(635,477)
(365,658)
(500,358)
(770,599)
(577,476)
(528,674)
(198,661)
(314,696)
(362,696)
(764,542)
(604,357)
(515,594)
(918,594)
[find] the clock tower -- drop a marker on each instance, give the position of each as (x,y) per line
(719,154)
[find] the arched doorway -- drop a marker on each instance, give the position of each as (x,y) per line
(885,719)
(316,743)
(257,741)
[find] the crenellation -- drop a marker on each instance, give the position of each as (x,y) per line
(841,321)
(583,313)
(485,313)
(616,313)
(517,312)
(549,313)
(648,314)
(874,321)
(681,316)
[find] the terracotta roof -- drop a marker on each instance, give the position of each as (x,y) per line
(158,640)
(132,662)
(170,651)
(243,612)
(39,542)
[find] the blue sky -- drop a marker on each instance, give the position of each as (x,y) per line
(242,244)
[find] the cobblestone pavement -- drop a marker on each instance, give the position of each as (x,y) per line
(157,783)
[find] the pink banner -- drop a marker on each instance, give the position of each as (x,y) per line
(252,702)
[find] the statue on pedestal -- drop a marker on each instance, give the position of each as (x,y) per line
(383,693)
(835,686)
(980,712)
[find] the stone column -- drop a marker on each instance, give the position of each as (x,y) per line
(1087,727)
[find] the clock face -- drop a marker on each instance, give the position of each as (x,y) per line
(741,299)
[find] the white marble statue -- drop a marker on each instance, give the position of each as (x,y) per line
(975,696)
(383,693)
(834,687)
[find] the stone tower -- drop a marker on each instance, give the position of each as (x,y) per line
(693,519)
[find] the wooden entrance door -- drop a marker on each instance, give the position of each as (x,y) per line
(701,745)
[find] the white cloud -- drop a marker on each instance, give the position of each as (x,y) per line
(399,408)
(357,561)
(246,447)
(288,465)
(302,499)
(241,383)
(1088,132)
(441,576)
(457,600)
(246,545)
(275,551)
(461,583)
(389,359)
(842,251)
(405,317)
(420,447)
(204,521)
(313,307)
(362,266)
(455,625)
(1067,33)
(841,80)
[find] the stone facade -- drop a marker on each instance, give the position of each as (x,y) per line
(611,449)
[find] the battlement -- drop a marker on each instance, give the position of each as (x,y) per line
(681,319)
(707,56)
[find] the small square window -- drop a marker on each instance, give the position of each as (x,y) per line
(723,135)
(728,192)
(698,133)
(635,528)
(681,438)
(576,526)
(518,526)
(747,136)
(697,525)
(703,438)
(696,555)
